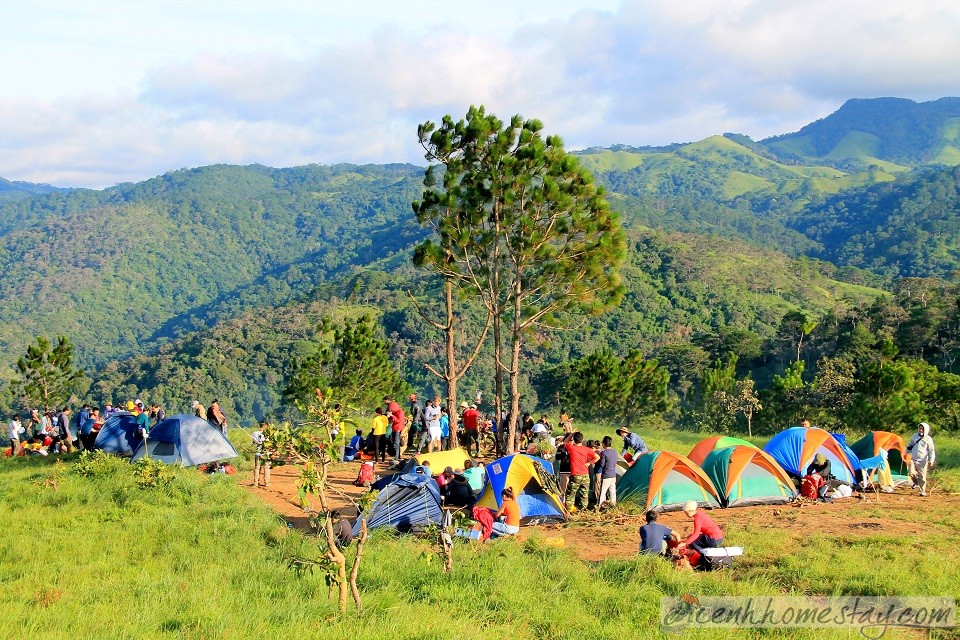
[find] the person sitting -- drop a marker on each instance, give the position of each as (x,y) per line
(366,476)
(510,512)
(654,536)
(706,533)
(821,465)
(458,491)
(474,475)
(341,530)
(352,450)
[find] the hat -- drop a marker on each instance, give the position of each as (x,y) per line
(473,406)
(689,505)
(621,430)
(464,405)
(195,404)
(138,401)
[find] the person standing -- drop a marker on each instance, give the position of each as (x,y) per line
(143,422)
(216,418)
(398,424)
(156,413)
(444,429)
(431,414)
(631,441)
(608,473)
(82,416)
(581,458)
(15,430)
(471,429)
(923,455)
(380,424)
(417,432)
(66,435)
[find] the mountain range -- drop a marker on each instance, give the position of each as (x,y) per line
(206,263)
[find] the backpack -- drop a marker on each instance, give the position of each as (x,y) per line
(810,486)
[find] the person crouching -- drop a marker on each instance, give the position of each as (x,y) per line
(706,533)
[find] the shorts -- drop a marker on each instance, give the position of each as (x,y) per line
(435,433)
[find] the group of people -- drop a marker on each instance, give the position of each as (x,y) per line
(60,431)
(55,432)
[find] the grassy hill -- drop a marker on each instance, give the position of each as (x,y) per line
(877,131)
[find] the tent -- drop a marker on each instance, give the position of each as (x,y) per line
(440,460)
(410,502)
(663,481)
(119,434)
(794,449)
(532,481)
(186,440)
(703,448)
(897,457)
(746,475)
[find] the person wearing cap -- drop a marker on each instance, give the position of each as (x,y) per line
(923,455)
(199,410)
(631,441)
(471,428)
(706,533)
(821,466)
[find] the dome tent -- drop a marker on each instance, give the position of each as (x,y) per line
(409,503)
(664,481)
(897,457)
(703,448)
(186,440)
(794,449)
(746,475)
(119,434)
(533,483)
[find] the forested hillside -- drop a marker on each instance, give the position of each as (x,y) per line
(679,286)
(122,269)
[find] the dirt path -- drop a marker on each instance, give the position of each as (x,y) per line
(598,536)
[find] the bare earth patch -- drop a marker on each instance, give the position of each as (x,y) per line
(595,537)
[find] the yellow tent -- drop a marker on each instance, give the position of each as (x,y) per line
(440,460)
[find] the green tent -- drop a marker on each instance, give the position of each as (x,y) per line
(663,481)
(746,475)
(703,448)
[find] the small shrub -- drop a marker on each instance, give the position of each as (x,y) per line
(150,473)
(96,464)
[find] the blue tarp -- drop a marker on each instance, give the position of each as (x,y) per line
(187,440)
(411,501)
(119,434)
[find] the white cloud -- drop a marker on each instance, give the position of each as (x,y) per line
(652,72)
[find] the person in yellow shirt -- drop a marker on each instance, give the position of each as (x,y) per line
(380,424)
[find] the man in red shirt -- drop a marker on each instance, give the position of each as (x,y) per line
(471,423)
(706,533)
(398,421)
(581,458)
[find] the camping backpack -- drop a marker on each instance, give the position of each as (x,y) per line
(810,486)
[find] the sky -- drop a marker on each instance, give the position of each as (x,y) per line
(106,91)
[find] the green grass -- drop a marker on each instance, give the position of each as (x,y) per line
(98,557)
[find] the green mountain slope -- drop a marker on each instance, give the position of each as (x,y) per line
(123,268)
(17,190)
(910,227)
(877,131)
(677,284)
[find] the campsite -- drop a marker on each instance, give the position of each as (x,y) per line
(209,556)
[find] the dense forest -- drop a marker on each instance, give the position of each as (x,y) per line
(830,285)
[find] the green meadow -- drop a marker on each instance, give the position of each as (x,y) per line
(96,556)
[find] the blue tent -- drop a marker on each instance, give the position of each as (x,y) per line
(410,502)
(533,483)
(795,448)
(187,440)
(119,434)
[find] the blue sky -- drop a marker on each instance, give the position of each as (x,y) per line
(96,93)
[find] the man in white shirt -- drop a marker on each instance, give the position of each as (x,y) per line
(431,413)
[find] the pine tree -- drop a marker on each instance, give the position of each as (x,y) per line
(46,377)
